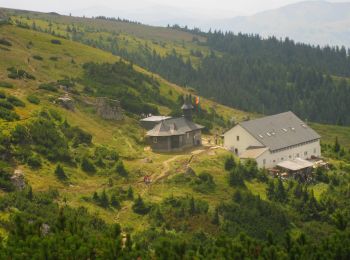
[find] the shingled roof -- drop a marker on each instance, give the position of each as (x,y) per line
(280,131)
(174,126)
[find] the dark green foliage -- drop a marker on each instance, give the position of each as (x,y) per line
(48,140)
(236,177)
(87,165)
(204,183)
(120,169)
(140,207)
(55,41)
(253,216)
(49,87)
(53,58)
(59,172)
(121,80)
(38,57)
(130,195)
(19,74)
(229,163)
(5,42)
(33,99)
(5,178)
(256,74)
(4,84)
(2,95)
(8,115)
(336,147)
(6,104)
(115,202)
(104,201)
(34,162)
(15,101)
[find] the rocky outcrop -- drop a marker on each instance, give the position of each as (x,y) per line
(18,180)
(109,109)
(66,102)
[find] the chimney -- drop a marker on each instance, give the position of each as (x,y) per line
(187,109)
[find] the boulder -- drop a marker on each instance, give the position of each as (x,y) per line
(66,102)
(18,180)
(109,109)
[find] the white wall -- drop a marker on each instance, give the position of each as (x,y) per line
(272,159)
(245,139)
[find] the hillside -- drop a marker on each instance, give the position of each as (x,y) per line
(313,22)
(85,196)
(243,71)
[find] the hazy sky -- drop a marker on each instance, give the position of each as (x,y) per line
(211,8)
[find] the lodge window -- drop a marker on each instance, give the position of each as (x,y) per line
(237,137)
(305,153)
(314,150)
(188,135)
(236,151)
(155,140)
(264,161)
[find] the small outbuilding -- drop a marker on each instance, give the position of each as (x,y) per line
(176,134)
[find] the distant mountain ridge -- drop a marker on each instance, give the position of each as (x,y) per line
(314,22)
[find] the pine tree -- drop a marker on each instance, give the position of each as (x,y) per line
(215,220)
(130,194)
(281,194)
(114,201)
(59,172)
(229,163)
(336,147)
(104,202)
(270,190)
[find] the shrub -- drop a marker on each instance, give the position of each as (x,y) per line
(37,57)
(59,172)
(55,41)
(48,86)
(15,101)
(54,58)
(204,183)
(2,95)
(8,115)
(33,99)
(140,207)
(5,181)
(34,162)
(19,74)
(6,104)
(87,166)
(229,163)
(120,169)
(4,84)
(236,178)
(5,42)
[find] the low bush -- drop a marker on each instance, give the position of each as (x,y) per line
(55,41)
(33,99)
(5,42)
(8,115)
(37,57)
(34,162)
(53,58)
(15,101)
(48,86)
(4,84)
(6,104)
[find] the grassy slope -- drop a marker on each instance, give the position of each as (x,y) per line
(116,135)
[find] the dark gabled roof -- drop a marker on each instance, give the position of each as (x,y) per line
(174,126)
(280,131)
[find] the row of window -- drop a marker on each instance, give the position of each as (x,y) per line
(290,156)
